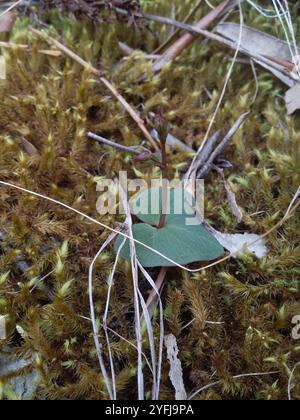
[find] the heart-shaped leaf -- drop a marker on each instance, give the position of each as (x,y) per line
(179,241)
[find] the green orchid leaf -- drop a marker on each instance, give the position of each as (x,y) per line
(179,240)
(180,243)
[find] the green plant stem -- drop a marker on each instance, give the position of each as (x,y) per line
(165,184)
(153,297)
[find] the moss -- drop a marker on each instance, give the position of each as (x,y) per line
(52,102)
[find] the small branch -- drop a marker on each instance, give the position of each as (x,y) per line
(140,152)
(110,143)
(99,75)
(177,32)
(13,45)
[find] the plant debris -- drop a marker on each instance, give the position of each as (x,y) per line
(97,11)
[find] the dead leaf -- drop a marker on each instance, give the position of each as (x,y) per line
(173,142)
(15,373)
(257,43)
(10,365)
(7,22)
(233,204)
(241,244)
(29,147)
(292,99)
(176,374)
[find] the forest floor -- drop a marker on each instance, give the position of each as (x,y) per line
(235,323)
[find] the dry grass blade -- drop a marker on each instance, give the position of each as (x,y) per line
(136,293)
(147,316)
(105,318)
(237,212)
(98,345)
(156,290)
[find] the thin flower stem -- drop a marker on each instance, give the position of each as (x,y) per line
(164,170)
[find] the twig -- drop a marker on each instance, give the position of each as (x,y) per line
(13,45)
(177,32)
(25,47)
(103,140)
(103,80)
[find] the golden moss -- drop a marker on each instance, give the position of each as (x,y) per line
(51,102)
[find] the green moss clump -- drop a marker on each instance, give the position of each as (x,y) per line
(51,103)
